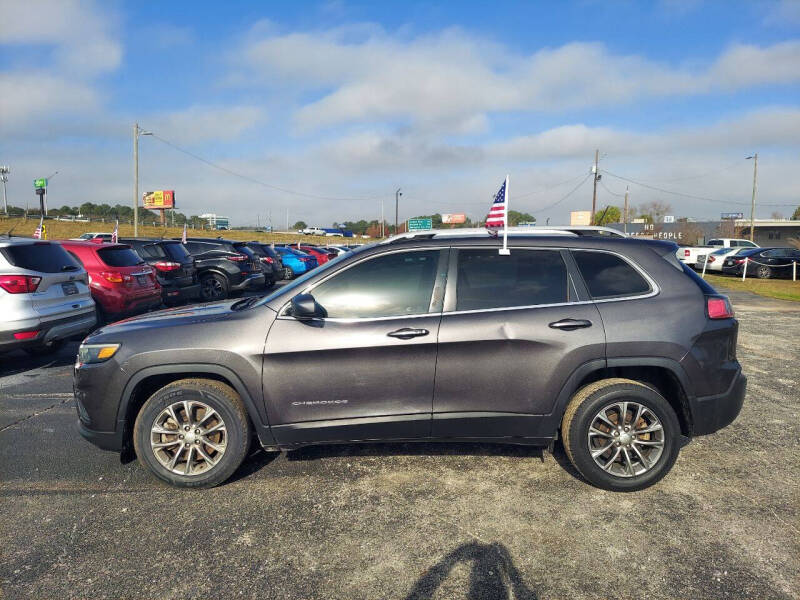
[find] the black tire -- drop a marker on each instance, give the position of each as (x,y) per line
(581,412)
(45,349)
(288,273)
(222,399)
(763,272)
(213,287)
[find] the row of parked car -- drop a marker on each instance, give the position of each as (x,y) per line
(53,290)
(763,263)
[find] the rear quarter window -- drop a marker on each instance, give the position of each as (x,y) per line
(119,257)
(40,256)
(176,251)
(609,276)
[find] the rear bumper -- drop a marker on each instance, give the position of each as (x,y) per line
(49,331)
(712,413)
(251,282)
(179,293)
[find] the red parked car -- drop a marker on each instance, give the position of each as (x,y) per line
(120,281)
(321,254)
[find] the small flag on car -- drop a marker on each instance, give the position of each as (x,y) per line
(115,233)
(498,216)
(183,237)
(40,233)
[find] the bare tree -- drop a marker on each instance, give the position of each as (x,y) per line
(654,211)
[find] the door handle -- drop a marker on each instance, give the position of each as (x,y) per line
(570,324)
(406,333)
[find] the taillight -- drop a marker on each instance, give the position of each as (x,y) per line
(237,257)
(718,307)
(113,276)
(19,284)
(267,259)
(738,261)
(710,259)
(26,335)
(686,253)
(166,265)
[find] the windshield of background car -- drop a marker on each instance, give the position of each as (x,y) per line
(291,288)
(119,256)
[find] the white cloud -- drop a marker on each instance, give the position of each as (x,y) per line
(201,123)
(449,81)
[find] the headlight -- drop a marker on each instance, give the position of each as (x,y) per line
(89,354)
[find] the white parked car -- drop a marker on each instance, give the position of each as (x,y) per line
(716,258)
(689,254)
(313,231)
(93,237)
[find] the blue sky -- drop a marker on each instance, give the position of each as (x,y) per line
(339,103)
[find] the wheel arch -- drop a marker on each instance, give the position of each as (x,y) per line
(664,375)
(147,381)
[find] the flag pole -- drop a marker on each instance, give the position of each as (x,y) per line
(504,250)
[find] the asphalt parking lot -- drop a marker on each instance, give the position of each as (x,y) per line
(407,521)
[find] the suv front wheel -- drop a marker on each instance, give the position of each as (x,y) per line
(621,435)
(192,433)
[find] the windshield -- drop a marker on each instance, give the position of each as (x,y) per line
(300,281)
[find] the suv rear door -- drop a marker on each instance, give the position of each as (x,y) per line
(513,329)
(63,287)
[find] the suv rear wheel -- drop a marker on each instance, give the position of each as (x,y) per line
(192,433)
(620,434)
(213,287)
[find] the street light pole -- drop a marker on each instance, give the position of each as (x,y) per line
(137,131)
(49,177)
(397,195)
(753,199)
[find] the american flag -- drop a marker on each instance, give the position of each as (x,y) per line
(38,233)
(183,237)
(115,233)
(496,218)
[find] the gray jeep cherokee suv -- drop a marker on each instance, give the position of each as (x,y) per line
(610,344)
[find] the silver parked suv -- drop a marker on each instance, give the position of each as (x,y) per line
(44,296)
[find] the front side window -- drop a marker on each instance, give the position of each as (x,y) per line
(609,276)
(391,285)
(487,279)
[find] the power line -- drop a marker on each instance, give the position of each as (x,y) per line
(253,179)
(572,191)
(613,193)
(692,196)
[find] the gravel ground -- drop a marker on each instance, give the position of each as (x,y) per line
(407,521)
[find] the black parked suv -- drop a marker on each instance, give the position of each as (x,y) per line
(611,345)
(224,267)
(173,266)
(271,262)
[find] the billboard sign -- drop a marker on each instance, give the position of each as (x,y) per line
(420,224)
(580,217)
(40,183)
(731,215)
(669,218)
(159,199)
(452,219)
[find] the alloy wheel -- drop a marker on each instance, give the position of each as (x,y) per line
(212,288)
(626,439)
(188,438)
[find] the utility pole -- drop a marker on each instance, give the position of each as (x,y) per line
(753,200)
(596,177)
(136,133)
(397,195)
(287,218)
(625,213)
(4,171)
(383,233)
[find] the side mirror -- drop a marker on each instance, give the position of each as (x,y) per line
(304,307)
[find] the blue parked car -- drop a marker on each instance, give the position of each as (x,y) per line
(295,262)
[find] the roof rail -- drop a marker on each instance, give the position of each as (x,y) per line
(475,232)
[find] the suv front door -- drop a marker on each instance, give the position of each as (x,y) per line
(513,329)
(366,369)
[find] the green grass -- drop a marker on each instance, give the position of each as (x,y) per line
(782,289)
(61,230)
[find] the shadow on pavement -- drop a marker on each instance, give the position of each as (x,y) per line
(18,361)
(493,574)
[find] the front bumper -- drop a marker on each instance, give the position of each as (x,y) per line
(106,440)
(712,413)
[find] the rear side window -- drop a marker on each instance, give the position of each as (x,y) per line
(176,251)
(151,251)
(42,257)
(609,276)
(525,278)
(119,257)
